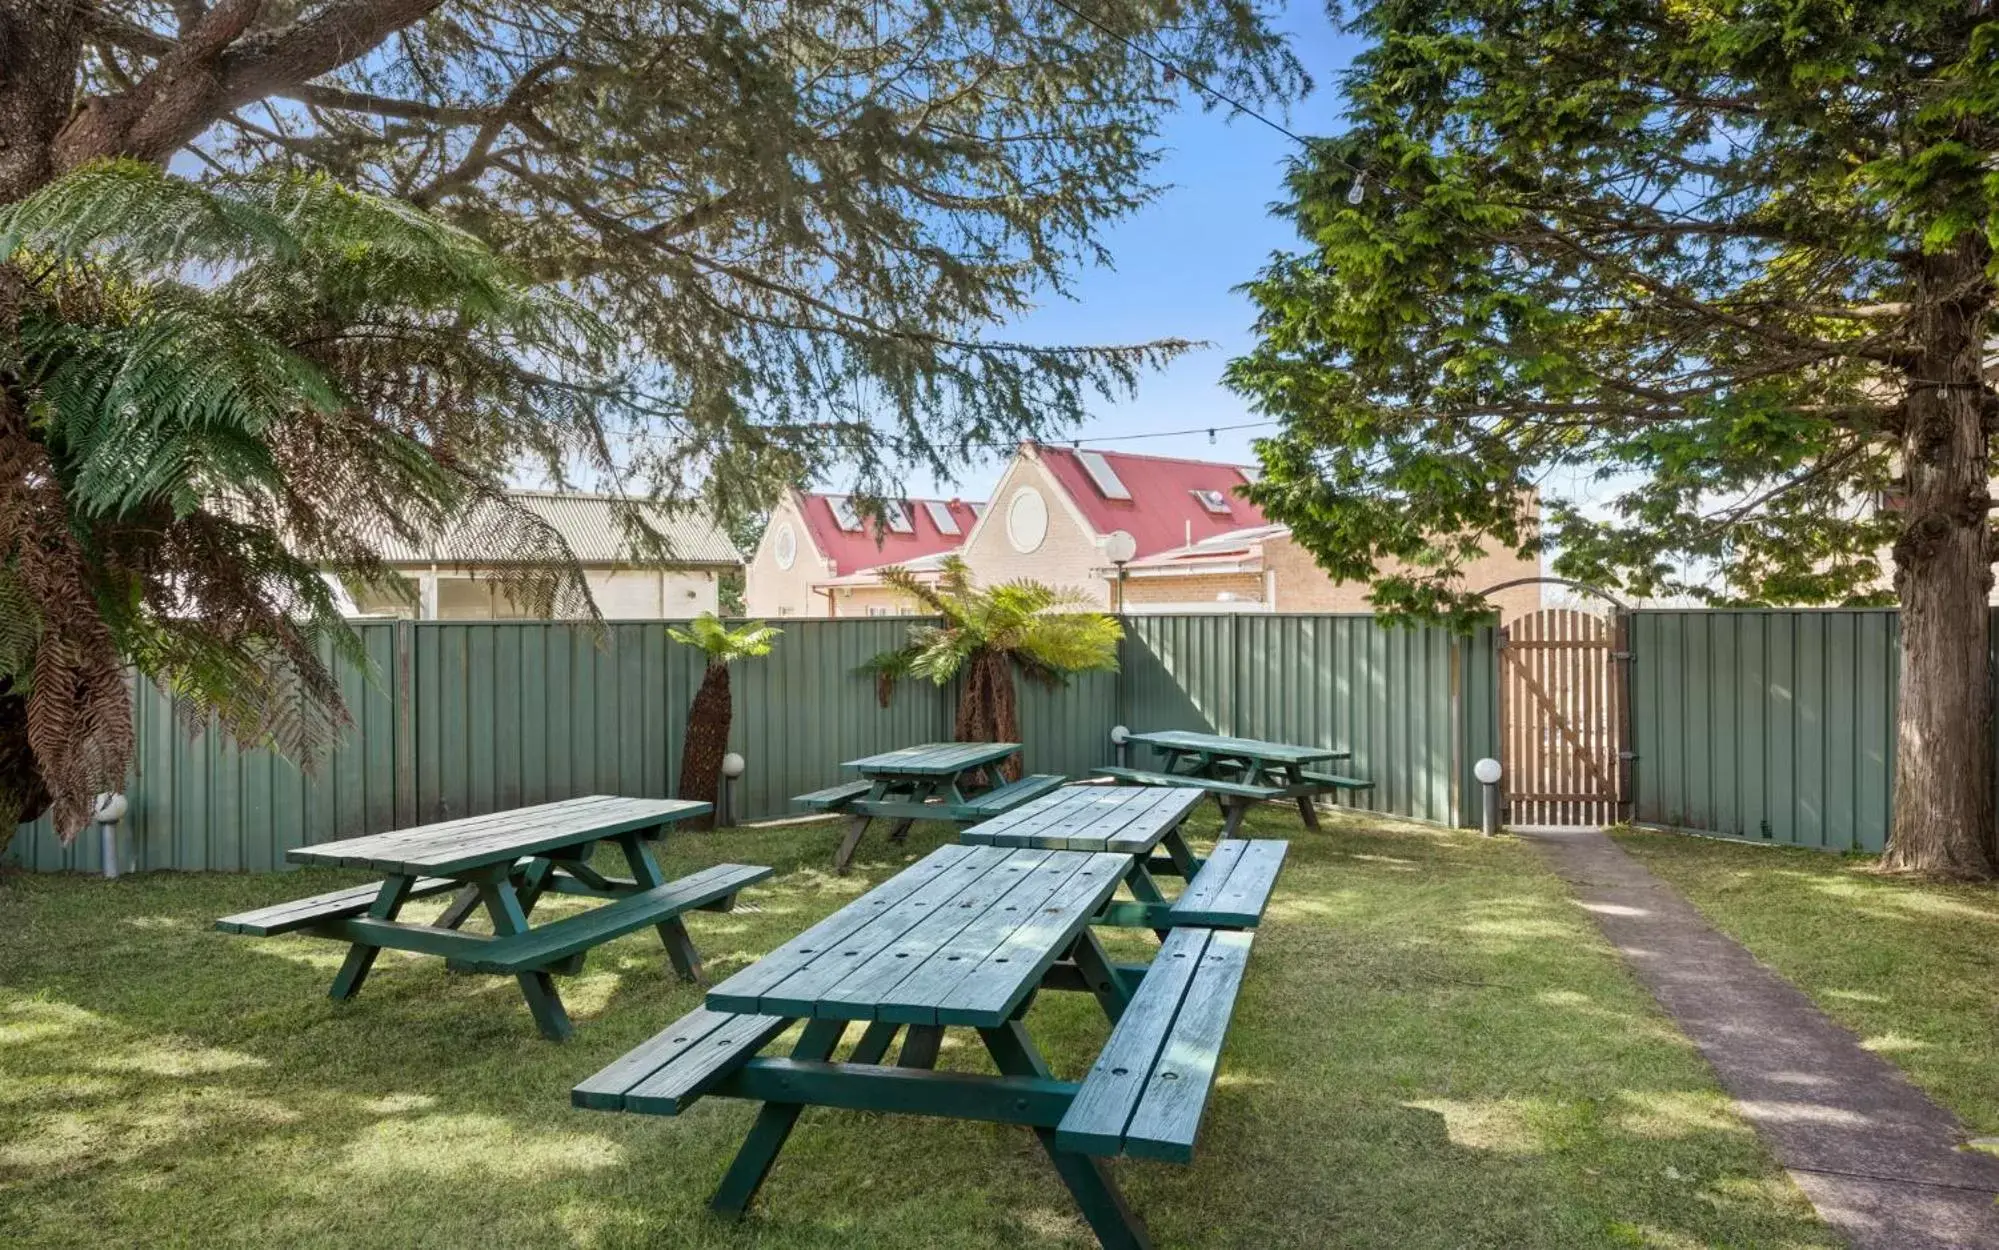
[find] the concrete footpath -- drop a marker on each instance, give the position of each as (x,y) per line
(1882,1163)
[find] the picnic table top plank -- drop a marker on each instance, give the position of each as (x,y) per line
(1127,819)
(799,994)
(934,759)
(1169,1112)
(856,995)
(1244,748)
(481,841)
(741,991)
(989,993)
(1021,825)
(914,1000)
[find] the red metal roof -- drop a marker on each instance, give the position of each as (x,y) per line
(854,550)
(1162,511)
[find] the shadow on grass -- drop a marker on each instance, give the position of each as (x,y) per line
(1432,1049)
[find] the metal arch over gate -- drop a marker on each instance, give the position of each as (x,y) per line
(1564,716)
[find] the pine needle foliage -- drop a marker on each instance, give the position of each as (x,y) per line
(216,390)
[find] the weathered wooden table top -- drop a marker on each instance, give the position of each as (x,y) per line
(933,759)
(1236,748)
(456,846)
(1125,820)
(960,937)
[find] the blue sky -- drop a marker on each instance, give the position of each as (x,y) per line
(1177,262)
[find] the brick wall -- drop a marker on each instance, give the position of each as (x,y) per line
(1302,586)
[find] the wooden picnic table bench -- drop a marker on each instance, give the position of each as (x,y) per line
(966,937)
(954,781)
(1239,772)
(507,861)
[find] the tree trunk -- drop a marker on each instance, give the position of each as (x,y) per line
(1943,816)
(23,796)
(988,710)
(707,741)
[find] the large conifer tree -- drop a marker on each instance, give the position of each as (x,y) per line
(1735,258)
(804,218)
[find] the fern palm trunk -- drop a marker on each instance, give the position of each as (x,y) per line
(989,710)
(707,740)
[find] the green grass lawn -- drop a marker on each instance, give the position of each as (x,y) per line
(1911,966)
(1433,1049)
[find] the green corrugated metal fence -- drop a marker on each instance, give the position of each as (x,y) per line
(1774,726)
(462,718)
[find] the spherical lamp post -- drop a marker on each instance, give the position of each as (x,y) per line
(1487,771)
(107,812)
(732,768)
(1121,744)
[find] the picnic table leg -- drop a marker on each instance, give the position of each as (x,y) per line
(874,1042)
(900,833)
(360,956)
(460,908)
(1185,862)
(849,842)
(672,934)
(1116,1225)
(1094,962)
(1306,811)
(920,1046)
(537,986)
(773,1125)
(1232,813)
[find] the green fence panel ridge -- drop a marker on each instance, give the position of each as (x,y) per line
(1772,725)
(459,718)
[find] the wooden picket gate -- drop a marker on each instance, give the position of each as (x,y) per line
(1564,717)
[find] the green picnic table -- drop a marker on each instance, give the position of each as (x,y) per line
(1239,772)
(507,861)
(955,781)
(966,938)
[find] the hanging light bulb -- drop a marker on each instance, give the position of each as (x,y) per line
(1211,438)
(1357,190)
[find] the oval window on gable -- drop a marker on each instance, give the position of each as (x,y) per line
(1026,520)
(786,547)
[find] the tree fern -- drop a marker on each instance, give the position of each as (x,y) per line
(222,388)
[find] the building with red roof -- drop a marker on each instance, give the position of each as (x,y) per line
(1127,531)
(819,556)
(1163,534)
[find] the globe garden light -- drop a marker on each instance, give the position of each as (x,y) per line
(1487,771)
(733,765)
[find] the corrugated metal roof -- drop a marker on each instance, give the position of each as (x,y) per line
(1160,507)
(868,547)
(591,527)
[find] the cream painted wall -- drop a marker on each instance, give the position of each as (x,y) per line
(653,594)
(1068,556)
(769,590)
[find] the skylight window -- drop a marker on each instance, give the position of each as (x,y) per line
(844,515)
(1213,500)
(899,521)
(940,516)
(1103,475)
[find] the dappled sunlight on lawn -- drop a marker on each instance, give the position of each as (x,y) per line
(474,1146)
(1676,1113)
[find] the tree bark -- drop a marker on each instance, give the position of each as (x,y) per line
(987,709)
(707,741)
(41,44)
(1943,814)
